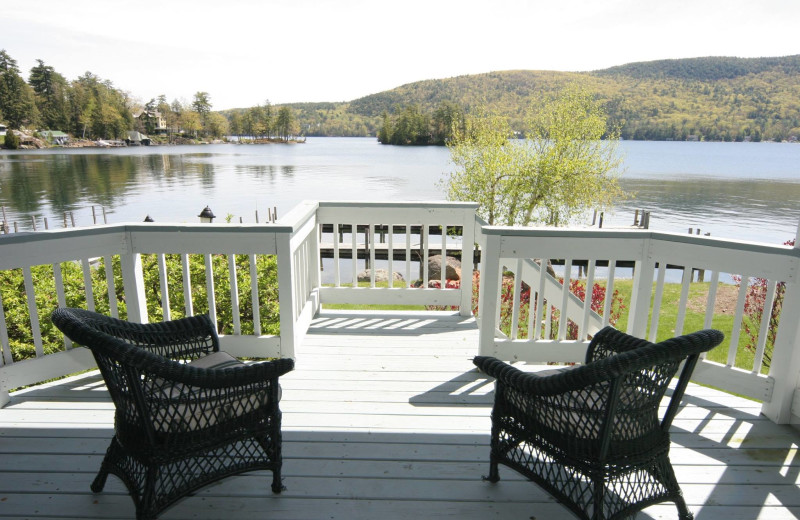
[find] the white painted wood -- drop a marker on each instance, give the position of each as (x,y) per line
(337,277)
(354,253)
(371,232)
(162,280)
(33,311)
(387,296)
(565,297)
(408,256)
(286,295)
(392,443)
(133,287)
(111,290)
(87,283)
(711,300)
(488,303)
(187,285)
(61,298)
(5,345)
(234,287)
(390,256)
(766,318)
(254,295)
(685,285)
(583,325)
(541,312)
(640,298)
(737,320)
(785,366)
(656,315)
(210,294)
(743,382)
(467,261)
(515,299)
(612,266)
(425,241)
(443,277)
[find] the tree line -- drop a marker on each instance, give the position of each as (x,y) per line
(90,107)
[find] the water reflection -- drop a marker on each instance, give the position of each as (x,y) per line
(682,184)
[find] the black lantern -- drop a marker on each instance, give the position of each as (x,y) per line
(207,216)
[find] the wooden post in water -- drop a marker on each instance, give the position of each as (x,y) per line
(594,217)
(5,221)
(46,226)
(105,220)
(94,216)
(256,216)
(72,218)
(636,218)
(65,219)
(33,222)
(600,224)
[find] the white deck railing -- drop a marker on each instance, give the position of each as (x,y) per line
(403,234)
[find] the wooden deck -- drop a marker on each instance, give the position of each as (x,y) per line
(384,418)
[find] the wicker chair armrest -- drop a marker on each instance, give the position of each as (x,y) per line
(609,341)
(245,375)
(531,382)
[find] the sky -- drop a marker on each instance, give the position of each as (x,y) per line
(245,52)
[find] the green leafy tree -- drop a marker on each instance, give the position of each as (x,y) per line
(217,125)
(202,105)
(446,117)
(285,123)
(17,99)
(568,164)
(50,89)
(11,140)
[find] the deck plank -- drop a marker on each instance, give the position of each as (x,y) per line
(384,417)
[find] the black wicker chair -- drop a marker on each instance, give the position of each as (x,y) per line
(187,414)
(590,435)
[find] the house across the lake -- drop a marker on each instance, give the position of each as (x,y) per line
(3,129)
(55,136)
(137,139)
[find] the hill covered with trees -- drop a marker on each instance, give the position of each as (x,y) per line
(715,98)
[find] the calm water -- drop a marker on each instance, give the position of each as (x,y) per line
(749,191)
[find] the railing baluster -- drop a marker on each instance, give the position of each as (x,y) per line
(587,301)
(662,270)
(711,300)
(390,255)
(354,253)
(237,323)
(737,320)
(187,285)
(541,312)
(372,247)
(162,280)
(423,234)
(516,299)
(687,282)
(212,301)
(612,267)
(443,280)
(30,294)
(5,344)
(111,289)
(766,320)
(562,322)
(337,277)
(61,297)
(254,295)
(87,284)
(408,255)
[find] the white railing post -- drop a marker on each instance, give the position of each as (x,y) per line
(640,299)
(286,294)
(489,294)
(467,258)
(785,364)
(133,285)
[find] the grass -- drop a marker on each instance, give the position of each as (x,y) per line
(372,307)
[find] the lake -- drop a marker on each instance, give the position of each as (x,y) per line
(748,191)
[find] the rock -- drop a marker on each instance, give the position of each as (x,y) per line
(381,275)
(453,271)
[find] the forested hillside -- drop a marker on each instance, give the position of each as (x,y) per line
(700,98)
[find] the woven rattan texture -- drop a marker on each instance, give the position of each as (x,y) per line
(178,427)
(591,435)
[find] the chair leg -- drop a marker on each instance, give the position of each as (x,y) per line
(277,485)
(683,511)
(100,480)
(494,474)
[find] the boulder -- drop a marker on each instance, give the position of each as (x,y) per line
(453,271)
(381,275)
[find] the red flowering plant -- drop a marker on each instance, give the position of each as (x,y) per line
(754,312)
